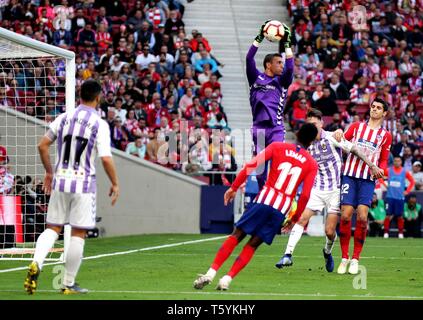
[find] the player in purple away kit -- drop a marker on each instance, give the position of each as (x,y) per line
(80,135)
(268,92)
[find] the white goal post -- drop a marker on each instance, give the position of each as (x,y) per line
(37,81)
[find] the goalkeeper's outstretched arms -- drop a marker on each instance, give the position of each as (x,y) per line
(288,72)
(252,72)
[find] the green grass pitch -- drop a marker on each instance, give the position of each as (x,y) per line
(393,271)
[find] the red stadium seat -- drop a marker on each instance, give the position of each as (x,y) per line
(310,88)
(349,74)
(202,178)
(354,65)
(117,19)
(327,119)
(419,107)
(101,51)
(361,108)
(342,105)
(115,29)
(130,4)
(412,98)
(94,14)
(326,72)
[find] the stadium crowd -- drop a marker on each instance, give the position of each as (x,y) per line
(341,66)
(159,82)
(343,62)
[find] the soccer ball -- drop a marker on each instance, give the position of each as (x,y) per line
(273,31)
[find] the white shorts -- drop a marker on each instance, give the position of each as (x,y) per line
(325,199)
(77,209)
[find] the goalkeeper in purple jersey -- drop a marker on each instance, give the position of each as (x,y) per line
(268,92)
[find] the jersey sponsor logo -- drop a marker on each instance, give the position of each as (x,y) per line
(262,86)
(367,144)
(395,184)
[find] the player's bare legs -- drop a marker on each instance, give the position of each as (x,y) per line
(44,244)
(359,237)
(345,236)
(241,261)
(221,256)
(73,261)
(330,231)
(294,238)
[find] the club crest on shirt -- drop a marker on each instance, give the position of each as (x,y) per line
(324,146)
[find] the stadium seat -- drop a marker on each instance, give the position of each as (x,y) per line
(116,19)
(202,178)
(326,72)
(342,105)
(94,14)
(412,98)
(361,109)
(354,65)
(349,74)
(327,120)
(419,107)
(130,4)
(115,29)
(310,88)
(101,51)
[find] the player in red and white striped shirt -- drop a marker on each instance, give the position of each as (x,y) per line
(358,184)
(291,165)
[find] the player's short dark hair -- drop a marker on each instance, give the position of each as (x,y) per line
(307,134)
(269,57)
(383,102)
(90,90)
(314,113)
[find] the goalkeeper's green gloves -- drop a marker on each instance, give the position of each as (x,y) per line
(260,36)
(287,39)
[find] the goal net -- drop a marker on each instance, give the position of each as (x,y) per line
(37,83)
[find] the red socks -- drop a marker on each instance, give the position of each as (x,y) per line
(386,224)
(242,260)
(224,252)
(359,237)
(345,236)
(400,222)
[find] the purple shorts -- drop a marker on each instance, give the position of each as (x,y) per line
(262,137)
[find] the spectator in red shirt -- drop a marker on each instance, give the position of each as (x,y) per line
(212,83)
(103,38)
(390,73)
(155,115)
(299,114)
(49,10)
(195,109)
(199,39)
(4,159)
